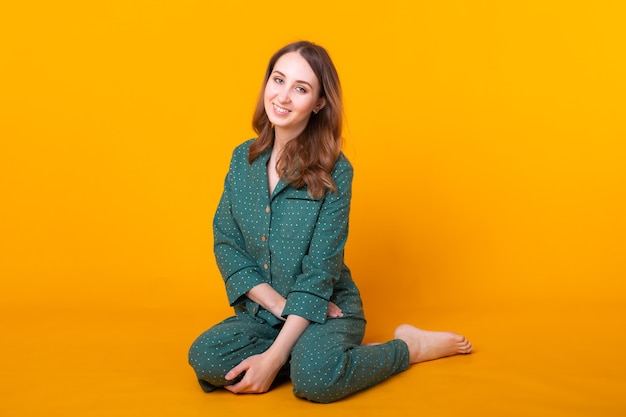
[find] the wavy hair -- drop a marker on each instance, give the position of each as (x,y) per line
(309,158)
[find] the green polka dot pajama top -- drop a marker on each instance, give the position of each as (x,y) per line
(296,244)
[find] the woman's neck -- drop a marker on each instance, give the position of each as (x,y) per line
(282,137)
(272,172)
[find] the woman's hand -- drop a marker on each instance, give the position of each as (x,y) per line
(333,310)
(260,371)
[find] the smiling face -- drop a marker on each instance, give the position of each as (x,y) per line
(292,94)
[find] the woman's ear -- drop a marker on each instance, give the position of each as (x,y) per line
(320,105)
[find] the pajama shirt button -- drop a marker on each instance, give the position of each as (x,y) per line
(263,238)
(267,209)
(266,266)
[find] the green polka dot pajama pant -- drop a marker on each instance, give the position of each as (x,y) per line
(326,364)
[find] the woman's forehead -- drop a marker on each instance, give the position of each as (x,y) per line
(295,67)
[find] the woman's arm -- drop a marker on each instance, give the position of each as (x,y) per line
(260,370)
(272,301)
(268,298)
(323,262)
(238,267)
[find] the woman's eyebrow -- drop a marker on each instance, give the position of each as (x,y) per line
(297,81)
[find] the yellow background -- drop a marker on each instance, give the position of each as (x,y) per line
(487,139)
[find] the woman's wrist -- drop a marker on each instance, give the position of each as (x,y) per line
(277,355)
(281,348)
(277,307)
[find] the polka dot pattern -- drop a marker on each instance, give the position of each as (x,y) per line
(327,364)
(289,240)
(296,244)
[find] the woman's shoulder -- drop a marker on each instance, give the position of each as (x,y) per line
(240,153)
(243,148)
(342,173)
(342,164)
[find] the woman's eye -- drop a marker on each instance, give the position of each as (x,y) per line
(278,80)
(300,89)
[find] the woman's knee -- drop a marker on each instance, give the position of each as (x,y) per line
(224,346)
(206,358)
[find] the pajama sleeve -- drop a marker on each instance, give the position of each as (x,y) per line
(323,264)
(238,269)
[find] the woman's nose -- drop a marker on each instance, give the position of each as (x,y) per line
(283,95)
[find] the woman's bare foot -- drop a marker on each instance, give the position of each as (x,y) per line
(425,345)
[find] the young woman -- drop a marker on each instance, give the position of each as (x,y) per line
(280,230)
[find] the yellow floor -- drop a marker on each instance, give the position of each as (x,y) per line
(538,361)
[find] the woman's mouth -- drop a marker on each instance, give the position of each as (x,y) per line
(280,110)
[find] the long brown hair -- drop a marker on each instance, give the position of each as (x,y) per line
(309,158)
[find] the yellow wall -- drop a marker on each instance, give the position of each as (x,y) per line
(487,138)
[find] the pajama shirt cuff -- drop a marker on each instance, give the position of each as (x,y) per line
(238,284)
(309,306)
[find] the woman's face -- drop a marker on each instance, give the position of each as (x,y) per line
(292,93)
